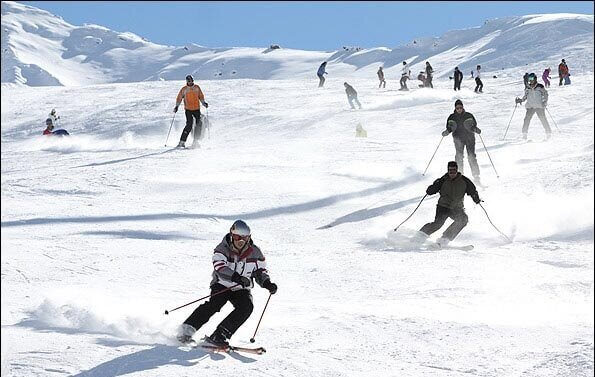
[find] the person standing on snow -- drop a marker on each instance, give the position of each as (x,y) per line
(452,187)
(458,78)
(478,83)
(429,75)
(463,127)
(404,76)
(381,78)
(237,261)
(193,97)
(351,95)
(563,73)
(546,77)
(526,79)
(536,97)
(321,72)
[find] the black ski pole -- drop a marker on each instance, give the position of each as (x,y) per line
(172,123)
(202,298)
(265,308)
(504,137)
(433,156)
(559,130)
(422,199)
(488,153)
(208,125)
(486,212)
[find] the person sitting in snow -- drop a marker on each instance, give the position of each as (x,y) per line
(236,262)
(452,187)
(49,130)
(536,97)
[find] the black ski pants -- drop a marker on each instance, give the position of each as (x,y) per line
(189,115)
(321,82)
(478,85)
(460,146)
(241,301)
(457,84)
(442,213)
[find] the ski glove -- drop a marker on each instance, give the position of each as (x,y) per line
(518,100)
(206,105)
(476,199)
(445,132)
(242,280)
(477,130)
(176,109)
(272,287)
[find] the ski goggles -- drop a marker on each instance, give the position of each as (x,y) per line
(237,237)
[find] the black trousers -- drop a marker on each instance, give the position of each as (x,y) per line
(321,82)
(241,301)
(442,213)
(479,85)
(457,84)
(189,115)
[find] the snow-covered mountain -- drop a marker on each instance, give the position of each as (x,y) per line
(39,48)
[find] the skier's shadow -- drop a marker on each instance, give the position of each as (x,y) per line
(153,358)
(125,159)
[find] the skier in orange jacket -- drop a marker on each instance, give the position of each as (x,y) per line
(192,96)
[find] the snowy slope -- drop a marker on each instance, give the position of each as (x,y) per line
(105,230)
(40,49)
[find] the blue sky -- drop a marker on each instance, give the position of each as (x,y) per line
(322,26)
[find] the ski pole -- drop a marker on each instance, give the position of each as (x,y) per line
(172,123)
(486,212)
(504,137)
(559,130)
(265,308)
(422,199)
(486,149)
(433,156)
(202,298)
(208,125)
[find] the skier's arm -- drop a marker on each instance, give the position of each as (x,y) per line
(472,190)
(220,266)
(260,273)
(544,97)
(180,97)
(435,187)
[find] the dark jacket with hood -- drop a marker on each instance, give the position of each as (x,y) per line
(464,130)
(452,191)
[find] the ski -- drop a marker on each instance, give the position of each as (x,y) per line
(214,348)
(451,247)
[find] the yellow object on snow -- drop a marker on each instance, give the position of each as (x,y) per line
(360,132)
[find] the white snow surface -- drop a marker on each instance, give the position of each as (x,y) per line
(106,229)
(41,49)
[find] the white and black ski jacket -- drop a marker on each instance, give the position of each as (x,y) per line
(249,263)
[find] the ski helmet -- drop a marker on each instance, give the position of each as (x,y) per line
(532,77)
(189,78)
(240,228)
(48,122)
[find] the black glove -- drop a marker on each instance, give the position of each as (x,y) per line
(518,100)
(206,105)
(242,280)
(476,198)
(477,130)
(445,132)
(272,287)
(176,109)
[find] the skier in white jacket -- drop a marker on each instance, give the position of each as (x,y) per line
(536,96)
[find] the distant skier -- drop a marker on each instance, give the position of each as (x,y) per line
(463,127)
(526,79)
(536,96)
(49,130)
(471,73)
(422,77)
(563,73)
(478,83)
(321,72)
(546,77)
(405,72)
(458,78)
(452,187)
(193,97)
(381,78)
(236,262)
(429,75)
(351,95)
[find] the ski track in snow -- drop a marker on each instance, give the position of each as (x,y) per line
(103,231)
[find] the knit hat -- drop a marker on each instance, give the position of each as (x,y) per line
(458,102)
(453,164)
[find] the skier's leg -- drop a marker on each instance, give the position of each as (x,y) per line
(544,122)
(204,312)
(357,101)
(470,145)
(460,221)
(459,148)
(350,102)
(188,127)
(198,125)
(440,218)
(242,303)
(527,121)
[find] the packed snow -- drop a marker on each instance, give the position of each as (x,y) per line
(104,230)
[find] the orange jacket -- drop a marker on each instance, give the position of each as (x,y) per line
(192,96)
